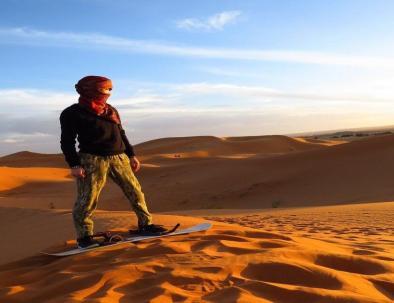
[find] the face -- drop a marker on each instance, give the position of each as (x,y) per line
(104,91)
(95,88)
(105,87)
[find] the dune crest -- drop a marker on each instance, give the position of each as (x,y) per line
(210,146)
(30,159)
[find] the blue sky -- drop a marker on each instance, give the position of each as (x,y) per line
(182,68)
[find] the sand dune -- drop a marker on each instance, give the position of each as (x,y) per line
(29,159)
(11,177)
(36,187)
(200,146)
(213,146)
(359,171)
(320,141)
(341,253)
(228,263)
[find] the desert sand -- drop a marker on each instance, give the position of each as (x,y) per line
(294,220)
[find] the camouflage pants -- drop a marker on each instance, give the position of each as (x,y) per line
(97,168)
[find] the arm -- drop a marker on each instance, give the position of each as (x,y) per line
(67,140)
(135,164)
(129,151)
(129,148)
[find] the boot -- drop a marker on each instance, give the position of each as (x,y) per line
(87,242)
(151,229)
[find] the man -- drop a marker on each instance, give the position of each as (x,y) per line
(104,150)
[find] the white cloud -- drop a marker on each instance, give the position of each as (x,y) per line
(11,140)
(22,102)
(221,109)
(26,36)
(215,22)
(190,97)
(259,92)
(23,137)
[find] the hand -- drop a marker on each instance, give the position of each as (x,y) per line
(78,172)
(135,164)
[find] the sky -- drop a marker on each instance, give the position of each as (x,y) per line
(188,68)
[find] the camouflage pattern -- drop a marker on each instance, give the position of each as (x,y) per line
(97,168)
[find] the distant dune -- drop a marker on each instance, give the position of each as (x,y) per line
(214,146)
(245,172)
(29,159)
(200,146)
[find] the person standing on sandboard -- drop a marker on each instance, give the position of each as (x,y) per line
(104,150)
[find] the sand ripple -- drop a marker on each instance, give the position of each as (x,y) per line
(228,263)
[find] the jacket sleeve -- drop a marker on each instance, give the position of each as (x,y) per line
(129,148)
(68,138)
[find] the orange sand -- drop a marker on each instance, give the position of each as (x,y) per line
(342,253)
(228,263)
(11,178)
(251,172)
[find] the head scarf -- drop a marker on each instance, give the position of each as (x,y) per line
(94,93)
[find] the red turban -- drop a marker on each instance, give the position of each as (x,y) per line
(94,92)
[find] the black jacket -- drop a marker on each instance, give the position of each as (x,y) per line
(96,135)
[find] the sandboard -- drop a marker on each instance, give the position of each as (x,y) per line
(193,229)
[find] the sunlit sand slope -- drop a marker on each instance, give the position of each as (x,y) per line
(11,178)
(359,171)
(228,263)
